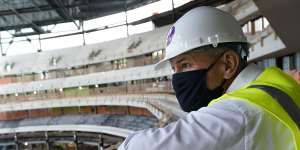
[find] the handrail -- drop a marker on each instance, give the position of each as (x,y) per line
(129,74)
(83,128)
(148,101)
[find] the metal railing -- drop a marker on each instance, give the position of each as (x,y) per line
(128,88)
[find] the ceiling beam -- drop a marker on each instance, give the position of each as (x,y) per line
(36,6)
(35,27)
(62,11)
(34,9)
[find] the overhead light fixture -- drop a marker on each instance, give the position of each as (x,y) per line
(43,75)
(11,41)
(28,40)
(54,60)
(8,67)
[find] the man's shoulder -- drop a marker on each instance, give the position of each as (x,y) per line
(247,109)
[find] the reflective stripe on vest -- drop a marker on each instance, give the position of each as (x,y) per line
(284,100)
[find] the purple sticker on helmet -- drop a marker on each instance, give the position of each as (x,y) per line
(170,35)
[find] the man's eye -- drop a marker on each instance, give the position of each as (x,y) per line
(186,65)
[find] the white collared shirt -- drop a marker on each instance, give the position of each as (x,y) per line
(226,125)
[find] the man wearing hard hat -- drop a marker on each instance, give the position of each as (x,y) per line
(231,105)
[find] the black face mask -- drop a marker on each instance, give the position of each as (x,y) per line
(191,89)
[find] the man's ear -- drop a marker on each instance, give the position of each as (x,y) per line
(231,60)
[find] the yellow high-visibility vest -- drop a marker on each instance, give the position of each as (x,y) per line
(273,78)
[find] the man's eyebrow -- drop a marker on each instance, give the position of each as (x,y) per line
(180,60)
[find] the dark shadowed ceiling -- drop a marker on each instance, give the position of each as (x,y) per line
(18,14)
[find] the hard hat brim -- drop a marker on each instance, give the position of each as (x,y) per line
(161,64)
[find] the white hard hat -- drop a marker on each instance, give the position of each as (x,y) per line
(201,26)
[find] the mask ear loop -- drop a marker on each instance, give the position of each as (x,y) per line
(216,60)
(222,85)
(223,82)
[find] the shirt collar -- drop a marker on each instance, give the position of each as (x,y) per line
(250,73)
